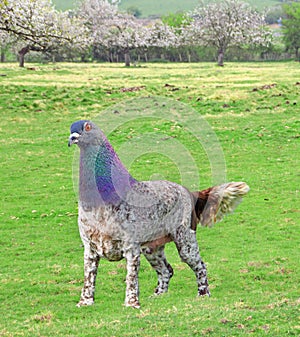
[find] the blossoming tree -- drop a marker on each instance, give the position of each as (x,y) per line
(226,24)
(38,26)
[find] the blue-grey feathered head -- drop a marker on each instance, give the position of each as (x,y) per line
(84,132)
(102,177)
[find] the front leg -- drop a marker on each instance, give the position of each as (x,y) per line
(91,262)
(132,284)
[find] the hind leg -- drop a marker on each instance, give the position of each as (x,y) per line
(164,271)
(188,250)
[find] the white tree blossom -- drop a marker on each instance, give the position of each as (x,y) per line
(98,16)
(126,33)
(127,36)
(39,27)
(113,29)
(163,36)
(6,40)
(226,24)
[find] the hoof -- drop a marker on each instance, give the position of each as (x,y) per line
(159,291)
(204,292)
(133,304)
(85,302)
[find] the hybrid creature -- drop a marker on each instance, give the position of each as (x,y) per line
(121,217)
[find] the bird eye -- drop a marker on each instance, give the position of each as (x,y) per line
(87,127)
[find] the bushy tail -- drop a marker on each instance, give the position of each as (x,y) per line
(212,204)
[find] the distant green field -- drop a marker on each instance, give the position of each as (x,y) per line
(158,7)
(252,256)
(65,4)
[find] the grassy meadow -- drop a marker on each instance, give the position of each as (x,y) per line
(252,256)
(157,7)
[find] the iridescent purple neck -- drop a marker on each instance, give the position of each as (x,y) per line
(103,177)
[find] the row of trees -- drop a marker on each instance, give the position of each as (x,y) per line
(291,27)
(99,26)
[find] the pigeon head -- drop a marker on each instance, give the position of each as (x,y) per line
(83,133)
(102,176)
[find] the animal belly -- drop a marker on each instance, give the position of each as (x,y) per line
(111,249)
(104,245)
(153,245)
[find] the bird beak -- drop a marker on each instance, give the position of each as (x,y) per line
(73,139)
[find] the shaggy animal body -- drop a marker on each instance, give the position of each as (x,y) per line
(120,217)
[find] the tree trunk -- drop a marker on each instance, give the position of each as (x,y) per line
(127,58)
(2,56)
(189,57)
(221,57)
(22,54)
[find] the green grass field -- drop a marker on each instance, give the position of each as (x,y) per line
(157,7)
(252,256)
(64,4)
